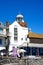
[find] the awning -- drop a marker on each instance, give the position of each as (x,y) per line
(31,45)
(35,45)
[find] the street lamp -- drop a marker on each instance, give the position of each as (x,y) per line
(27,44)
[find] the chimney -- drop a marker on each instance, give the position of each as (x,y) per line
(7,24)
(7,28)
(0,23)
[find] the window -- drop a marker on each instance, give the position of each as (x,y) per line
(19,19)
(7,31)
(26,39)
(15,29)
(40,51)
(33,51)
(1,30)
(21,38)
(0,41)
(15,38)
(15,34)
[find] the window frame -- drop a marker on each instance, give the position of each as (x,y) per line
(15,34)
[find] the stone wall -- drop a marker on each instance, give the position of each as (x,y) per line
(12,61)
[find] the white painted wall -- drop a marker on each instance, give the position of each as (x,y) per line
(22,33)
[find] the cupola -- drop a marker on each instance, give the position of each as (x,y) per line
(19,18)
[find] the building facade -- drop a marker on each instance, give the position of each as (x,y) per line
(17,35)
(35,45)
(19,31)
(2,36)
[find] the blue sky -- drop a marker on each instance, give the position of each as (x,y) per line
(32,11)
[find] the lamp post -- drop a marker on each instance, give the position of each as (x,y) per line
(28,41)
(27,44)
(27,50)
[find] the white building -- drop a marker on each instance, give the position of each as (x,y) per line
(19,31)
(2,36)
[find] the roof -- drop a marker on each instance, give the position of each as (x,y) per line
(19,15)
(34,35)
(23,24)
